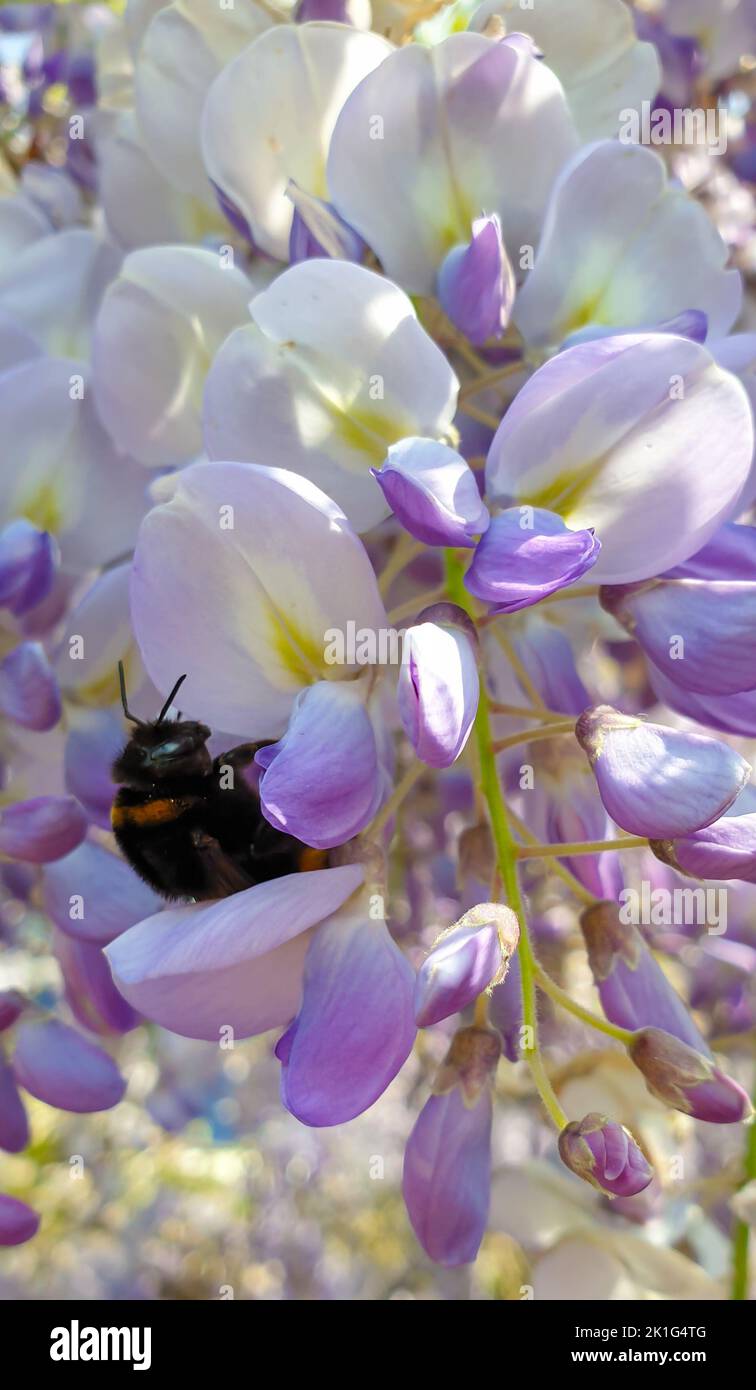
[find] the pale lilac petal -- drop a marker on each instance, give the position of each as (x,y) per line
(237,963)
(526,554)
(93,895)
(657,781)
(619,435)
(269,116)
(29,692)
(447,1176)
(438,691)
(275,565)
(334,368)
(355,1028)
(433,492)
(42,829)
(317,230)
(18,1223)
(159,326)
(651,255)
(321,782)
(57,1065)
(467,127)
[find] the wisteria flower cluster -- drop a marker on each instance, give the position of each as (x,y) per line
(381,373)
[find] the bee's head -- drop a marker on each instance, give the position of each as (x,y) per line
(162,748)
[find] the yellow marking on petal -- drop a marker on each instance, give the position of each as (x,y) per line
(566,491)
(42,507)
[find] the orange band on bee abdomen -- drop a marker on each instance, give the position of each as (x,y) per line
(310,859)
(151,812)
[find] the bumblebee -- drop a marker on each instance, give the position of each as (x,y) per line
(190,825)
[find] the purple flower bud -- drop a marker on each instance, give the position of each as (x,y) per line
(701,633)
(726,849)
(57,1065)
(28,560)
(476,283)
(686,1080)
(438,689)
(14,1126)
(29,691)
(447,1165)
(633,989)
(12,1005)
(43,829)
(318,230)
(526,554)
(447,1176)
(464,961)
(89,990)
(604,1154)
(433,492)
(656,781)
(18,1223)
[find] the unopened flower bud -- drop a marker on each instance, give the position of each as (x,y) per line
(465,960)
(686,1080)
(657,781)
(604,1154)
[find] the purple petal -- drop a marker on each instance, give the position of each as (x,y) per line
(237,963)
(525,554)
(455,972)
(57,1065)
(29,692)
(18,1223)
(476,283)
(93,896)
(726,849)
(433,492)
(89,990)
(355,1028)
(438,691)
(656,781)
(43,829)
(633,989)
(14,1126)
(700,632)
(447,1176)
(28,560)
(321,782)
(318,230)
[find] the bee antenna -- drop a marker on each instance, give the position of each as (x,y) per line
(126,710)
(171,698)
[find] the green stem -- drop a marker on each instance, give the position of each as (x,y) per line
(560,997)
(570,849)
(506,855)
(741,1239)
